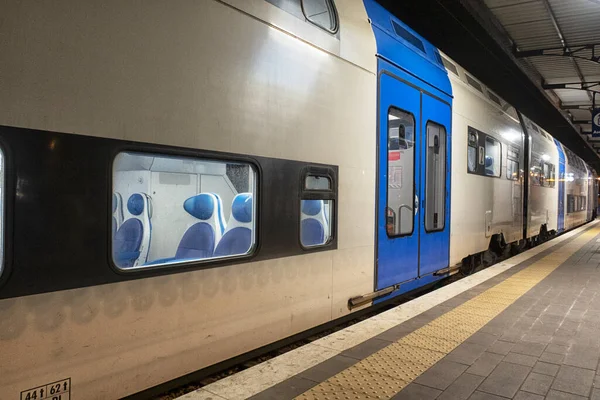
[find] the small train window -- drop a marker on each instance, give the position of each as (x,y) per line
(492,157)
(314,182)
(472,152)
(321,13)
(317,206)
(172,210)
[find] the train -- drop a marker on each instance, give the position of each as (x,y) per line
(183,183)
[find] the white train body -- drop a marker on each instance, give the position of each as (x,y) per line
(225,81)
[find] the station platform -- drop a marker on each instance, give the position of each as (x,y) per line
(526,328)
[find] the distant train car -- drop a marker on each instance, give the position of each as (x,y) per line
(487,172)
(576,190)
(176,194)
(542,207)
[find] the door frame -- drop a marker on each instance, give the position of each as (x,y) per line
(386,67)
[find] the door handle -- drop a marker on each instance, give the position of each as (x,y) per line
(416,204)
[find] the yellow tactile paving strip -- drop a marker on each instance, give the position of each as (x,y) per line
(388,371)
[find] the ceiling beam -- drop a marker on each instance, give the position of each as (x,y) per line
(573,85)
(576,106)
(565,51)
(563,41)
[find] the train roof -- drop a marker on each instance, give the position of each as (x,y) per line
(405,48)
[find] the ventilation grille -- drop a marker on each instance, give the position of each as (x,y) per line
(449,66)
(409,37)
(474,83)
(494,98)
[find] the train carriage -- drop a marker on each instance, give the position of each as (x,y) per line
(176,194)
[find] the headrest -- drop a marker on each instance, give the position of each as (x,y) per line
(241,207)
(201,206)
(312,207)
(135,204)
(488,161)
(115,200)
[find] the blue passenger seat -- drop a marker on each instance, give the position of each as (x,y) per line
(131,241)
(117,212)
(199,240)
(238,234)
(314,223)
(489,169)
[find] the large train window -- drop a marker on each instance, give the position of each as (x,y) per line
(316,208)
(173,210)
(400,187)
(493,155)
(435,185)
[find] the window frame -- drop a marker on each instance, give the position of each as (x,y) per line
(387,167)
(6,225)
(445,163)
(476,147)
(333,12)
(491,138)
(481,150)
(318,194)
(510,177)
(189,154)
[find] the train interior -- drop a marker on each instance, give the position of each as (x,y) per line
(172,209)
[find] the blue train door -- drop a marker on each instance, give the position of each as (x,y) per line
(399,161)
(434,238)
(413,229)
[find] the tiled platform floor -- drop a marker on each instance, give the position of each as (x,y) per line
(546,344)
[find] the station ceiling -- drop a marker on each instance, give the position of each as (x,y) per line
(537,54)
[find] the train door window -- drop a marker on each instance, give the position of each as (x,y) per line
(547,174)
(317,208)
(181,209)
(570,203)
(321,13)
(512,164)
(493,154)
(401,177)
(472,152)
(512,170)
(435,185)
